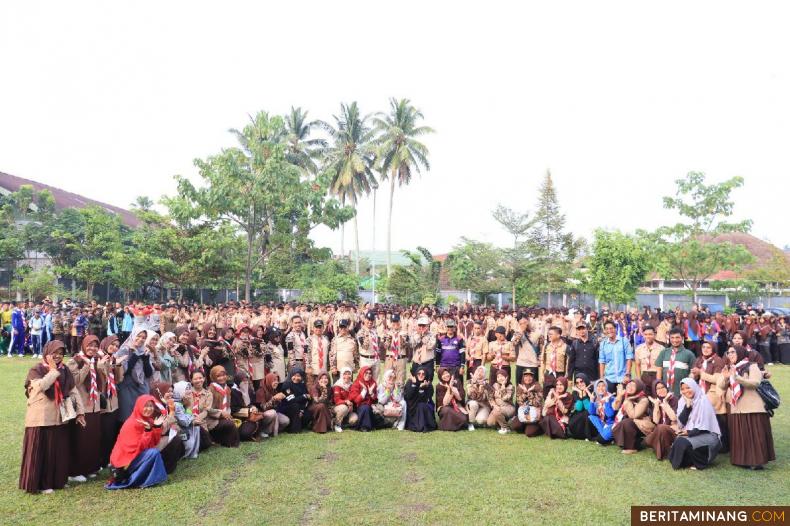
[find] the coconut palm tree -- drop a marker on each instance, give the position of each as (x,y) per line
(349,159)
(400,152)
(302,151)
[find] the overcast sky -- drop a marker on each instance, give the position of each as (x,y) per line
(618,99)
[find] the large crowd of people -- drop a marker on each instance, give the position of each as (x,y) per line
(137,388)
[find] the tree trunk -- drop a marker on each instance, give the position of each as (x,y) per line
(373,254)
(513,298)
(389,225)
(247,267)
(356,244)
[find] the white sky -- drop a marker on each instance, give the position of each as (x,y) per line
(110,99)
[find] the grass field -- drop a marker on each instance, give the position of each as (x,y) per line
(391,477)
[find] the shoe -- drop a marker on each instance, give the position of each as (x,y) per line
(628,451)
(92,475)
(502,431)
(471,427)
(770,363)
(338,429)
(47,491)
(264,435)
(78,478)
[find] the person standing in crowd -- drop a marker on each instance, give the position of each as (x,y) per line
(553,360)
(370,344)
(89,382)
(615,356)
(751,439)
(111,369)
(317,356)
(646,355)
(46,445)
(500,354)
(476,349)
(583,354)
(450,353)
(343,351)
(17,344)
(296,344)
(36,332)
(674,363)
(136,375)
(397,348)
(423,344)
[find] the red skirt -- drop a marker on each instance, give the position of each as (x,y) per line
(45,458)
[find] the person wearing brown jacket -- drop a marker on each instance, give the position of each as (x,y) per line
(51,397)
(89,385)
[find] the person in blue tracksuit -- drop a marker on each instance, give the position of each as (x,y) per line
(17,332)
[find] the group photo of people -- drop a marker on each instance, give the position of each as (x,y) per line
(125,393)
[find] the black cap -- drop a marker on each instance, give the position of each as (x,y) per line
(343,322)
(500,330)
(395,317)
(370,315)
(318,323)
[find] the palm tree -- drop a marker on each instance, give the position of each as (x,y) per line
(349,160)
(301,150)
(400,151)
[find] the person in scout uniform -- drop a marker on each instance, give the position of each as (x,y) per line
(317,358)
(371,344)
(423,343)
(344,351)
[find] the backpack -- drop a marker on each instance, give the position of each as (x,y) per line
(769,395)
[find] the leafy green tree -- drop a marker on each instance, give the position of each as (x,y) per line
(618,265)
(689,251)
(349,163)
(516,258)
(302,150)
(476,266)
(552,250)
(259,192)
(416,282)
(400,150)
(37,284)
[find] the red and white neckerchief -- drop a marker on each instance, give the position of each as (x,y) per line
(374,343)
(705,385)
(191,362)
(224,392)
(93,395)
(161,407)
(58,390)
(112,390)
(671,372)
(321,353)
(396,346)
(734,385)
(558,415)
(195,403)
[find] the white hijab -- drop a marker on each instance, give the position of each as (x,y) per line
(703,416)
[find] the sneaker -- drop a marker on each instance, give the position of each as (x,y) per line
(502,431)
(338,429)
(47,491)
(92,475)
(471,427)
(78,478)
(10,355)
(770,363)
(264,435)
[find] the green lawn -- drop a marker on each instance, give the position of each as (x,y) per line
(390,477)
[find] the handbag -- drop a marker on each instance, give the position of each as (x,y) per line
(769,395)
(391,411)
(68,411)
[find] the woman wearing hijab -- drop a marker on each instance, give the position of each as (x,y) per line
(450,402)
(276,350)
(579,425)
(478,402)
(697,443)
(632,420)
(244,408)
(187,355)
(602,413)
(556,410)
(344,407)
(268,399)
(48,387)
(393,404)
(258,356)
(751,439)
(89,384)
(111,369)
(418,393)
(364,394)
(529,399)
(135,460)
(201,405)
(707,372)
(501,402)
(189,429)
(167,361)
(665,418)
(320,413)
(137,370)
(220,422)
(170,445)
(295,401)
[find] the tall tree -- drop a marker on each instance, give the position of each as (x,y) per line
(516,258)
(690,250)
(349,162)
(476,266)
(418,281)
(256,189)
(302,150)
(618,265)
(553,251)
(401,152)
